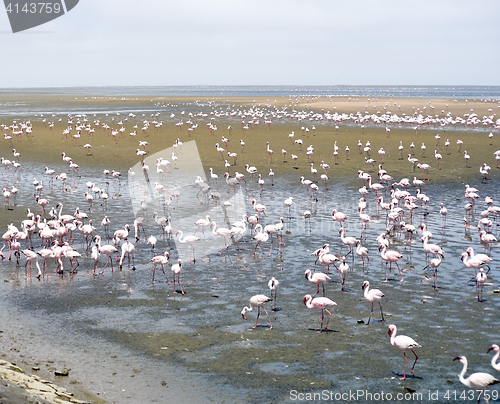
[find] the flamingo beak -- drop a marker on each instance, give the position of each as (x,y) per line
(490,349)
(242,315)
(457,358)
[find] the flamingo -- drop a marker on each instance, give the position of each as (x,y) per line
(107,250)
(273,286)
(482,258)
(434,264)
(390,257)
(250,169)
(259,208)
(475,262)
(275,229)
(372,295)
(328,259)
(127,248)
(323,250)
(261,237)
(188,240)
(433,249)
(121,234)
(160,260)
(270,152)
(404,343)
(348,241)
(257,301)
(443,212)
(232,182)
(467,159)
(320,303)
(487,238)
(343,270)
(203,223)
(475,381)
(31,256)
(222,232)
(362,251)
(481,280)
(425,167)
(288,202)
(317,278)
(495,365)
(95,255)
(438,157)
(307,183)
(176,270)
(339,217)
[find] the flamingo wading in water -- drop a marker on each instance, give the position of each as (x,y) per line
(404,343)
(320,303)
(372,295)
(257,301)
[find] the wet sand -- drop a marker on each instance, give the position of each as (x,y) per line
(254,353)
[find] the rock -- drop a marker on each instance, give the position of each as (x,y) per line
(62,372)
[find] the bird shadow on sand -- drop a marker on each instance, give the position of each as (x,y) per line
(407,376)
(323,331)
(261,326)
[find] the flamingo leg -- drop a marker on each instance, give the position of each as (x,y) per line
(402,280)
(371,312)
(258,314)
(416,359)
(179,282)
(322,317)
(404,377)
(271,324)
(380,304)
(390,266)
(326,326)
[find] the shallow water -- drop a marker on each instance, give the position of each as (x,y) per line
(146,334)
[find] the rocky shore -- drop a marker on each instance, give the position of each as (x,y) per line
(16,387)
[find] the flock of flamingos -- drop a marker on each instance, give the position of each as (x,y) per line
(47,234)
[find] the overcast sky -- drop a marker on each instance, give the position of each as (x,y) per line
(252,42)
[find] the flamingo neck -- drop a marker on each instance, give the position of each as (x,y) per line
(393,336)
(245,309)
(462,374)
(494,359)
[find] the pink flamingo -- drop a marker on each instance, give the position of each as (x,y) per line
(160,260)
(475,381)
(390,257)
(188,240)
(270,152)
(176,270)
(273,286)
(320,303)
(404,343)
(257,301)
(107,250)
(222,232)
(372,295)
(317,278)
(495,365)
(339,217)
